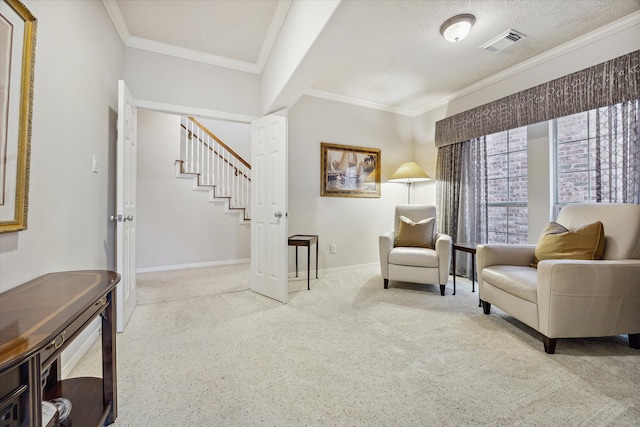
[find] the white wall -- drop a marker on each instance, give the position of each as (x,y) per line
(78,63)
(178,226)
(426,153)
(539,146)
(168,80)
(353,224)
(236,136)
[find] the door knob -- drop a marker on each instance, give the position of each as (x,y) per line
(278,214)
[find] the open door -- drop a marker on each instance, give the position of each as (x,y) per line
(269,207)
(126,205)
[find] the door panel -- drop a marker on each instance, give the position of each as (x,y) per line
(126,205)
(269,207)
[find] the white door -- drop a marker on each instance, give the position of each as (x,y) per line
(269,207)
(126,206)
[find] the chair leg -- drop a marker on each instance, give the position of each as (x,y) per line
(634,341)
(486,307)
(549,344)
(386,283)
(442,287)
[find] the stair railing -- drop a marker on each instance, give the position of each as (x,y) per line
(216,165)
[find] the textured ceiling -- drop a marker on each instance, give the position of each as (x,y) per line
(397,59)
(402,60)
(231,29)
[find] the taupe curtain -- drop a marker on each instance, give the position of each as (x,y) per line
(617,153)
(609,83)
(461,195)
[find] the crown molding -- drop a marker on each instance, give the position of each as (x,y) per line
(358,102)
(183,110)
(114,12)
(193,55)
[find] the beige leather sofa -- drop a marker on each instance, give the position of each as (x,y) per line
(412,264)
(571,298)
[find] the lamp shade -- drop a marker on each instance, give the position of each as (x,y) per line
(456,28)
(409,172)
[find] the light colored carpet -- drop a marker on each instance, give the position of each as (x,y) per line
(203,350)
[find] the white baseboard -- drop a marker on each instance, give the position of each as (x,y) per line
(245,261)
(303,273)
(193,265)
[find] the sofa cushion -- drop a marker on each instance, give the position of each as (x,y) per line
(559,242)
(416,257)
(516,280)
(415,234)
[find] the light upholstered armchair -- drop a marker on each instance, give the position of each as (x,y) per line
(570,298)
(426,255)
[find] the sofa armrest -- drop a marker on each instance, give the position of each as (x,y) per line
(588,298)
(385,244)
(501,254)
(498,254)
(443,249)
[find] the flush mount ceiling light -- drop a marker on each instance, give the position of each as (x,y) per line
(456,28)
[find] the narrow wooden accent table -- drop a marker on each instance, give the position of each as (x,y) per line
(305,240)
(38,320)
(469,248)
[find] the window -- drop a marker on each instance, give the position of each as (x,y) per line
(507,186)
(596,156)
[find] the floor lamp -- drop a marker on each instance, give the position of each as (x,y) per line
(409,172)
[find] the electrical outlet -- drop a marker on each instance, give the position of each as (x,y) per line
(333,248)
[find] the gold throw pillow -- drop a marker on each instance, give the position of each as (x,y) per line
(559,242)
(415,234)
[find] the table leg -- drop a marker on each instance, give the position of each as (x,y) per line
(473,273)
(473,267)
(308,266)
(453,253)
(296,261)
(317,244)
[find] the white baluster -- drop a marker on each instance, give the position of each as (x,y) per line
(209,161)
(192,143)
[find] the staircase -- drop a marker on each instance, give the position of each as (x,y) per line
(214,167)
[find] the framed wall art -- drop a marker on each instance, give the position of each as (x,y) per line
(349,171)
(17,60)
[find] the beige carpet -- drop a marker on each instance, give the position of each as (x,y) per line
(203,350)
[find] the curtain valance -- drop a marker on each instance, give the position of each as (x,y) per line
(609,83)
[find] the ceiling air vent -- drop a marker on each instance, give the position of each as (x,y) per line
(503,41)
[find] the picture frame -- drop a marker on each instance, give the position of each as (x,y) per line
(349,171)
(17,62)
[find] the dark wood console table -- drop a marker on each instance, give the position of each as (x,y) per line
(37,322)
(305,240)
